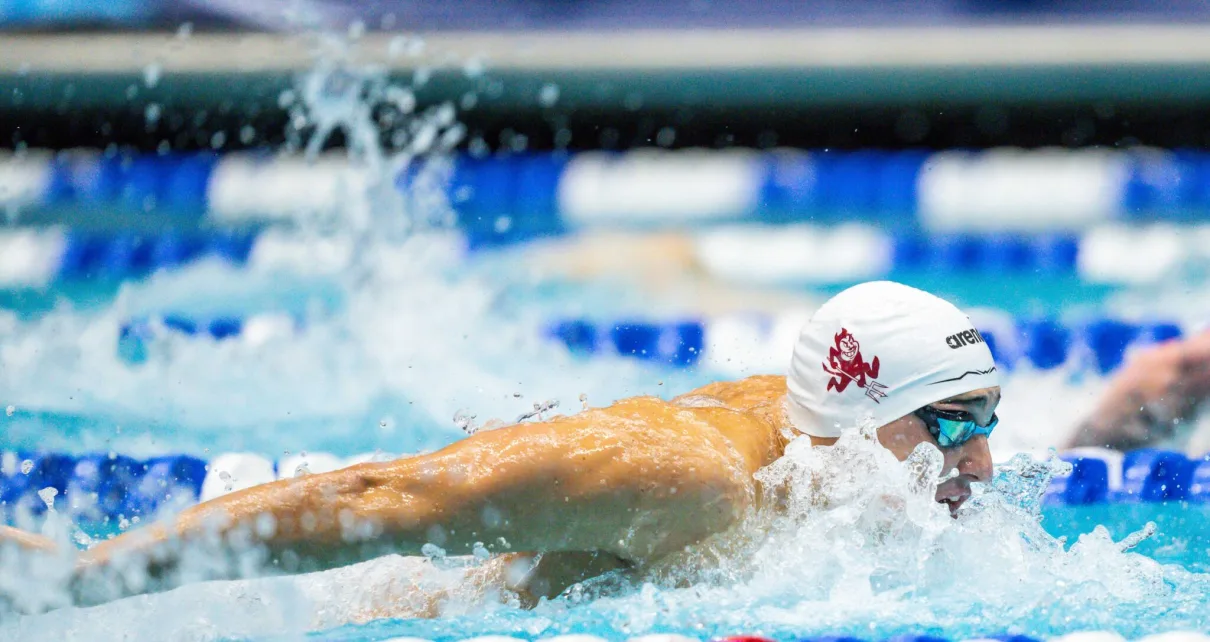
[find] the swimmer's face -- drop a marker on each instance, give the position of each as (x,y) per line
(972,459)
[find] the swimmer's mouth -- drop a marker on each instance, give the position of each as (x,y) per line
(954,499)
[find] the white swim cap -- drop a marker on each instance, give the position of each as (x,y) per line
(879,351)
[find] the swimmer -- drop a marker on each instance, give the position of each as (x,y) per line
(609,488)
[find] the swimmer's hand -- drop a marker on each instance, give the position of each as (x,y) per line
(1156,391)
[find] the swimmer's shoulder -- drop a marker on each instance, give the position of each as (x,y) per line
(743,394)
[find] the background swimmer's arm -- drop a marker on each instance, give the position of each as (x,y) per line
(1158,389)
(630,486)
(26,541)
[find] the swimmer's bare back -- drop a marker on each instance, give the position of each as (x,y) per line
(634,481)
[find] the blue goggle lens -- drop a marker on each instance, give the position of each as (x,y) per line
(953,428)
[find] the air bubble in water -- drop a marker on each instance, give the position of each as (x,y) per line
(584,401)
(184,31)
(26,466)
(10,410)
(302,470)
(228,482)
(548,95)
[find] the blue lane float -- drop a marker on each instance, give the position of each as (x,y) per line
(102,487)
(1099,346)
(542,193)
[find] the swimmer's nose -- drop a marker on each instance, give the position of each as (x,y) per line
(975,459)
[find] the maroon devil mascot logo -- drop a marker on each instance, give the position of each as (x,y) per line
(846,366)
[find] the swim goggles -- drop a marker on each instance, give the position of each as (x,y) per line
(953,427)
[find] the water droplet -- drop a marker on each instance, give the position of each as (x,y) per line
(302,470)
(48,495)
(473,68)
(665,137)
(465,421)
(548,95)
(432,551)
(480,551)
(152,113)
(151,74)
(228,482)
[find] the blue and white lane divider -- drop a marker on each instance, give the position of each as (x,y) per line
(752,254)
(738,344)
(32,257)
(109,486)
(990,190)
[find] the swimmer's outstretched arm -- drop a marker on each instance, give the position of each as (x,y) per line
(1155,392)
(632,485)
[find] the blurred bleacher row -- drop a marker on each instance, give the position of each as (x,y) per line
(779,217)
